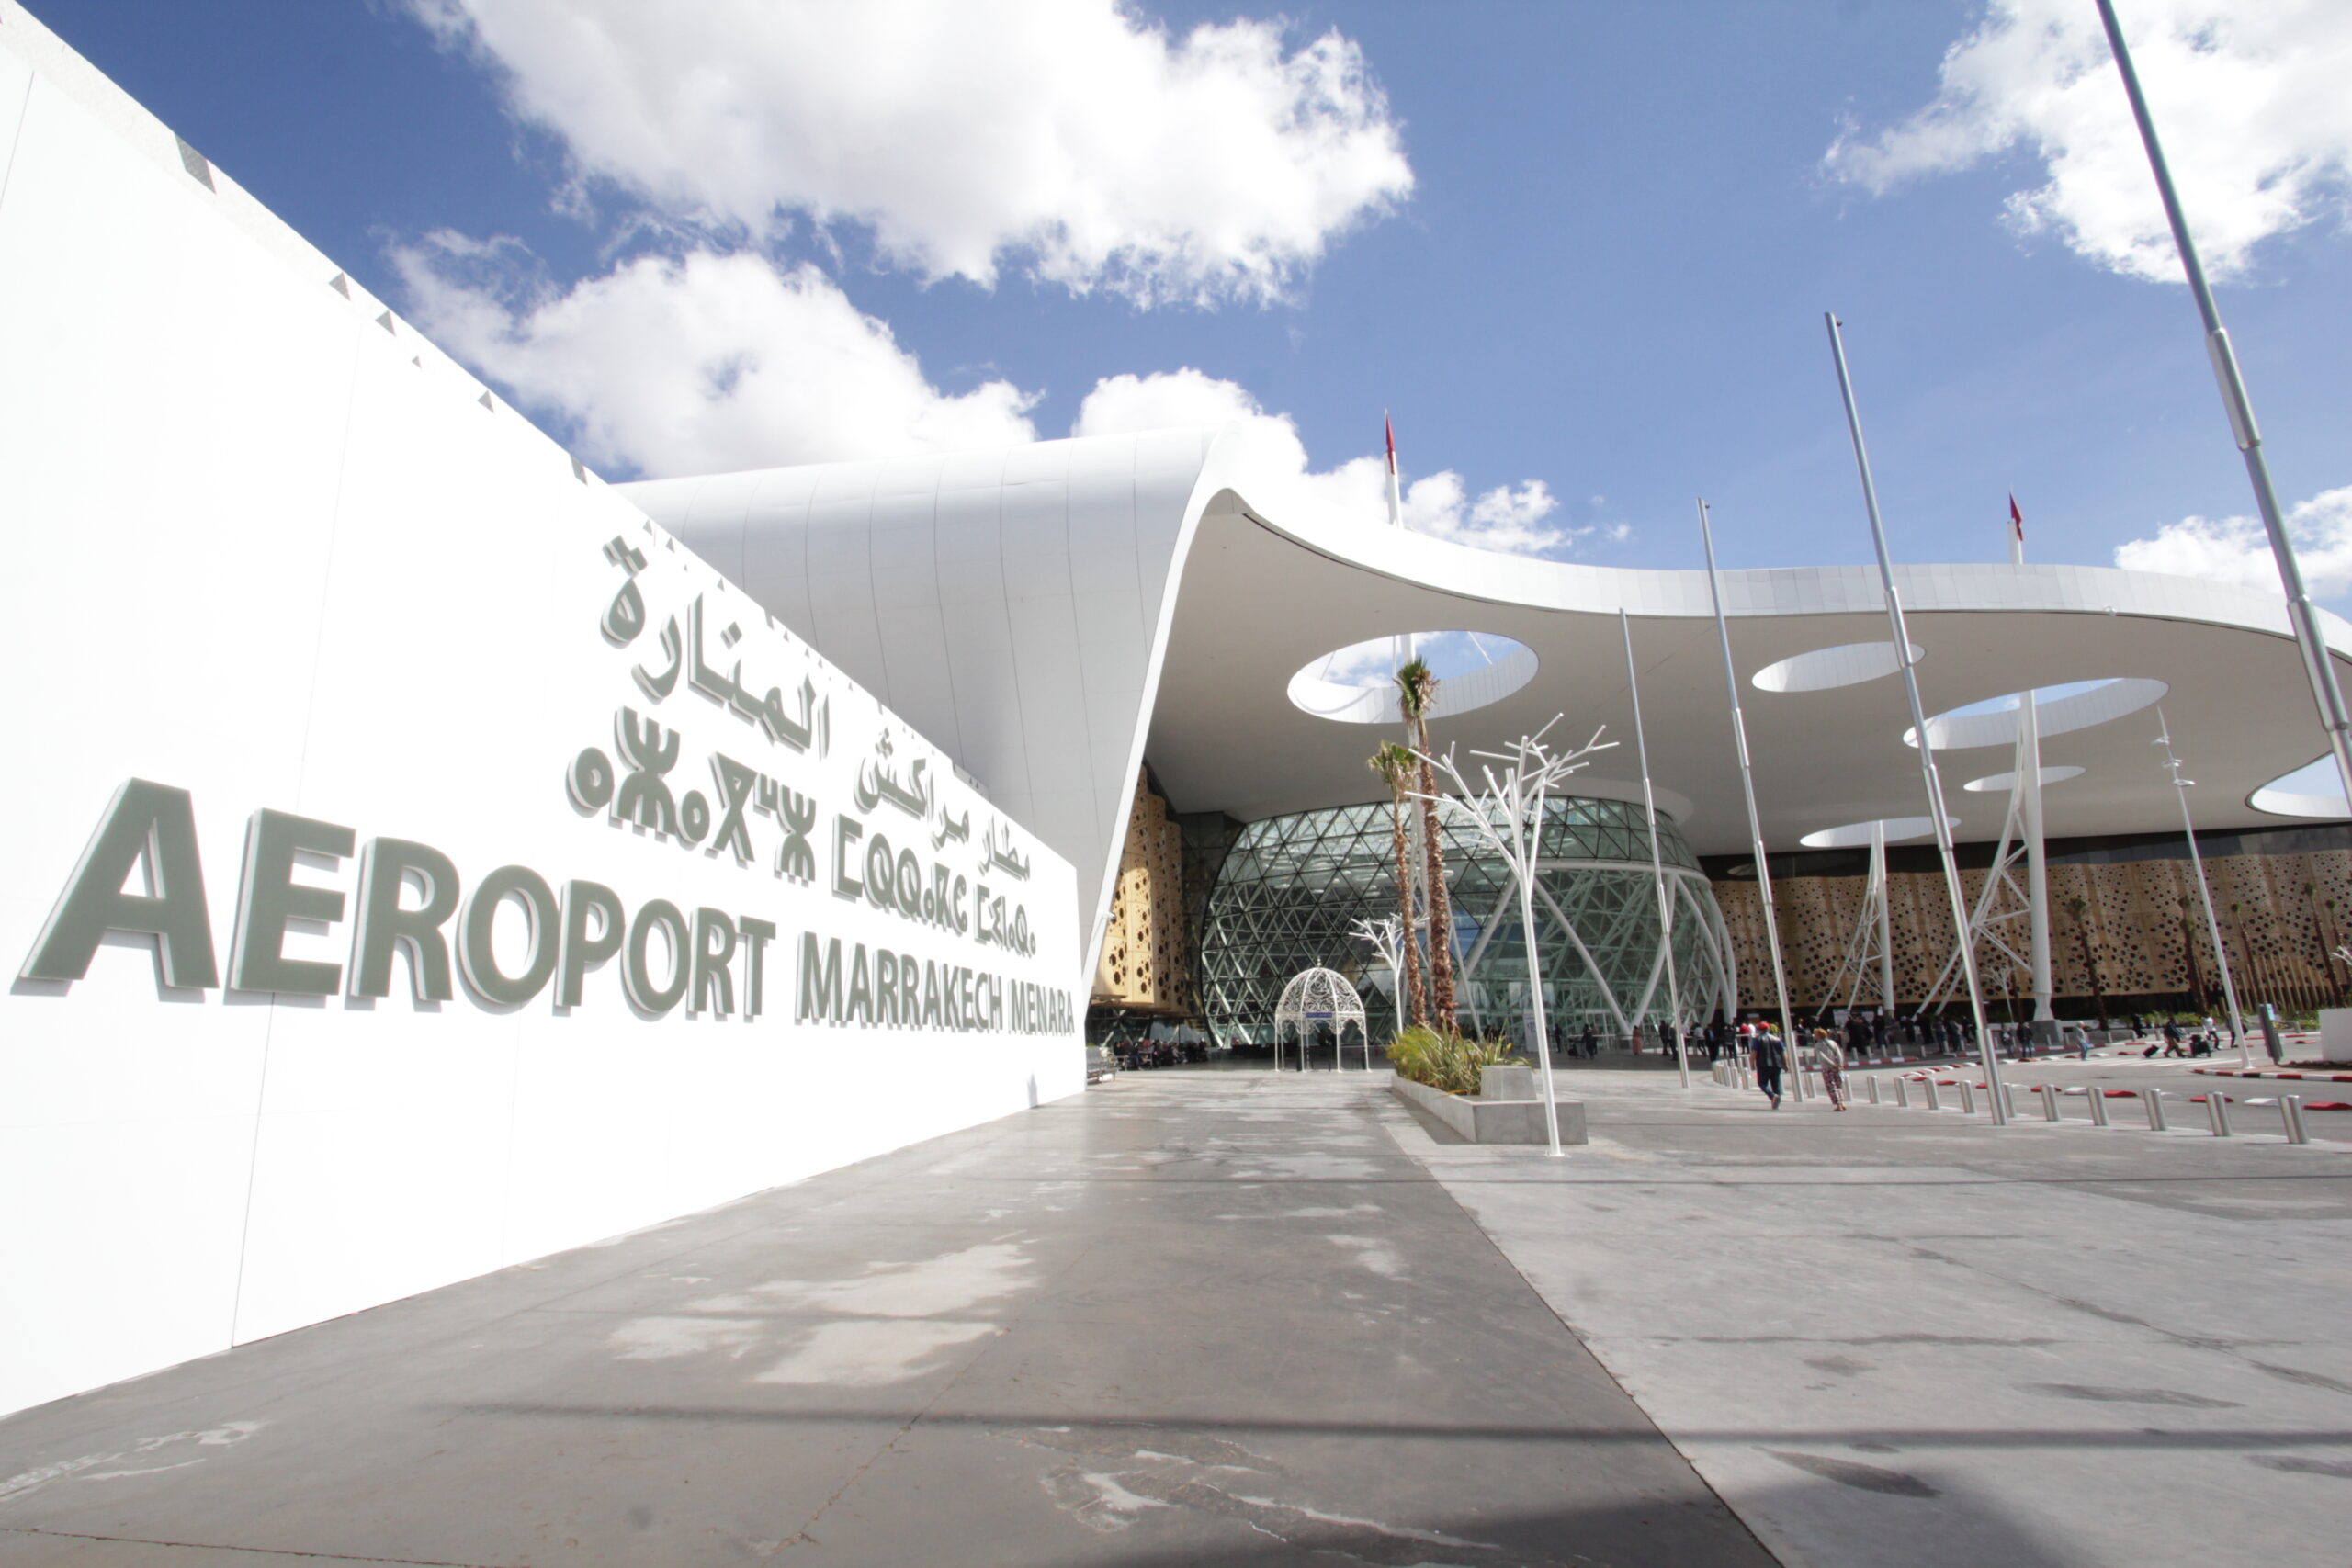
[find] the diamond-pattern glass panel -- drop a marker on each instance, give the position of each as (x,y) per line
(1292,887)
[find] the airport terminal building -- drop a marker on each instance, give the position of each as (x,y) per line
(1129,648)
(428,856)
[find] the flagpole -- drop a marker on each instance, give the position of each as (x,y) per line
(2037,859)
(1657,862)
(1961,925)
(1403,652)
(1755,822)
(2309,637)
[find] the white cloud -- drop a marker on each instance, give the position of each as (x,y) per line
(1090,148)
(2250,100)
(709,364)
(700,365)
(1506,518)
(2236,549)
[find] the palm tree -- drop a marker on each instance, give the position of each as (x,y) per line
(1394,764)
(2335,945)
(1416,694)
(2189,951)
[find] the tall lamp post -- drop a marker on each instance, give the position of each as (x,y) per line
(1928,775)
(2325,690)
(2204,891)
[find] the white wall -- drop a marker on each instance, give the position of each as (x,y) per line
(1015,603)
(268,551)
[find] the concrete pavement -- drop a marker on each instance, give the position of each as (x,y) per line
(1892,1337)
(1187,1318)
(1232,1317)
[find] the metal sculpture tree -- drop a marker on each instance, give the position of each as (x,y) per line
(1386,936)
(1508,814)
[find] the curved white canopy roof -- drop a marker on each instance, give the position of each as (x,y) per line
(1051,615)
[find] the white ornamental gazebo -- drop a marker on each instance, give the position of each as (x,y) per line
(1320,996)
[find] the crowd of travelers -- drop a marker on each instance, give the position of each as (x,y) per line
(1826,1047)
(1134,1055)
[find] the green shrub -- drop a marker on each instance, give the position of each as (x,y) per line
(1449,1061)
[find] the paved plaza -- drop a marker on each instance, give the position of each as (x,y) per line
(1234,1317)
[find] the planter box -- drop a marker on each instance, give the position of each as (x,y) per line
(2335,1035)
(1493,1121)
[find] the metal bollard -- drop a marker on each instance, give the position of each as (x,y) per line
(2048,1093)
(2290,1113)
(1929,1087)
(1967,1097)
(1869,1085)
(2217,1112)
(2154,1100)
(1903,1092)
(2098,1105)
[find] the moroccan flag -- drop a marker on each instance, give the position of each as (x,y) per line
(2016,518)
(1390,431)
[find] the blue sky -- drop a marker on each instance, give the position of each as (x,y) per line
(1603,289)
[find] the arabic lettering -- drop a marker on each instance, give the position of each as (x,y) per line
(877,781)
(660,687)
(728,689)
(625,616)
(1001,852)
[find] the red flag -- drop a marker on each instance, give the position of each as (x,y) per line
(2016,518)
(1390,431)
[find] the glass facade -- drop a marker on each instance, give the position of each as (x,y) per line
(1292,887)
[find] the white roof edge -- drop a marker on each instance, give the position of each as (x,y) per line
(1229,472)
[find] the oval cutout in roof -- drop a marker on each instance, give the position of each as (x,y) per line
(2078,705)
(2001,783)
(1826,669)
(2313,790)
(1857,835)
(1357,685)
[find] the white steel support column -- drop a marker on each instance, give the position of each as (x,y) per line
(2036,862)
(2204,892)
(1929,779)
(1880,888)
(1658,861)
(2326,691)
(1795,1078)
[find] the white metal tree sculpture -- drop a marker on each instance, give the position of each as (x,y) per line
(1509,814)
(1386,936)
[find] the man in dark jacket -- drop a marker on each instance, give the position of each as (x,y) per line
(1769,1055)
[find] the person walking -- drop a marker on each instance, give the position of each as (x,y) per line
(1768,1055)
(1829,1061)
